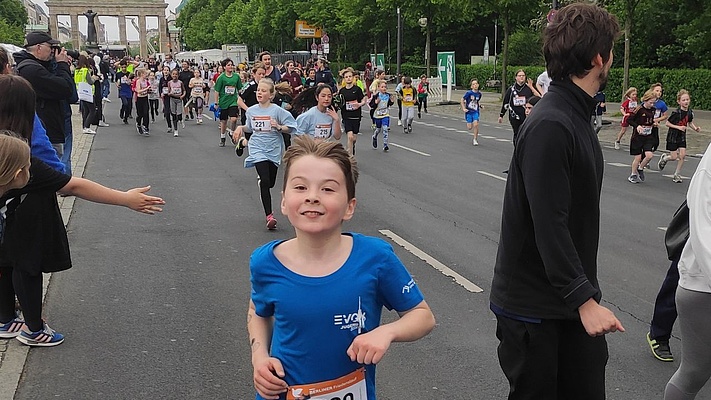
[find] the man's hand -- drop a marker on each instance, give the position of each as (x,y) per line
(268,374)
(598,320)
(61,55)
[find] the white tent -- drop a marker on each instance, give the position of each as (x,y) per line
(10,48)
(209,55)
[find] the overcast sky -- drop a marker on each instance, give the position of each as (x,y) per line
(112,23)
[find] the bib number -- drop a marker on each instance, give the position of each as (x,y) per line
(519,101)
(176,91)
(125,80)
(632,105)
(165,90)
(323,131)
(262,123)
(197,89)
(646,130)
(408,97)
(351,106)
(473,106)
(348,387)
(381,112)
(230,90)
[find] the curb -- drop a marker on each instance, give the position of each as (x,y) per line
(13,354)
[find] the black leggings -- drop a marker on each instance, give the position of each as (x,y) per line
(28,289)
(166,111)
(267,172)
(154,108)
(126,106)
(421,101)
(142,111)
(399,109)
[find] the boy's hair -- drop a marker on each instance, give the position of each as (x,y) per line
(257,65)
(14,153)
(472,81)
(17,105)
(652,86)
(578,33)
(681,93)
(226,61)
(423,76)
(407,80)
(304,145)
(311,69)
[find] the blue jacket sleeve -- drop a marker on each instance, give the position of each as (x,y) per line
(42,148)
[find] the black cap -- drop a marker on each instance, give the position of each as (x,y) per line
(34,38)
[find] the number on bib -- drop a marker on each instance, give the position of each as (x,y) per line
(322,131)
(262,123)
(230,90)
(519,101)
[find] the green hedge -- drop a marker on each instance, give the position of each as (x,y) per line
(694,80)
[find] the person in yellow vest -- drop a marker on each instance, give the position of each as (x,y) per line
(84,77)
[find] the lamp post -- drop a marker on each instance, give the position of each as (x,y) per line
(423,23)
(399,40)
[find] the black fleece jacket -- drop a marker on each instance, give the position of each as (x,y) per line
(53,83)
(546,266)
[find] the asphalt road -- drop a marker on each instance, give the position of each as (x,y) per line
(155,306)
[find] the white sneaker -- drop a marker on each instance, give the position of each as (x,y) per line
(475,143)
(617,145)
(399,123)
(175,133)
(199,121)
(103,124)
(89,130)
(182,124)
(106,100)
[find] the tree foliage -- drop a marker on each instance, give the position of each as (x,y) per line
(13,18)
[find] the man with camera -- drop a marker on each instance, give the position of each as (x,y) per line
(46,66)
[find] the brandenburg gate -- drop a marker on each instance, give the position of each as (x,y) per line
(113,8)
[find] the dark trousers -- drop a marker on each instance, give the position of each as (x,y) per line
(421,101)
(553,360)
(126,107)
(665,306)
(28,289)
(267,172)
(399,109)
(88,113)
(166,111)
(154,108)
(142,111)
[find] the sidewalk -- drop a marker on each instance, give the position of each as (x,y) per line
(12,353)
(491,106)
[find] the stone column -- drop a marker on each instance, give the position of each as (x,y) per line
(74,17)
(122,29)
(162,33)
(143,35)
(53,25)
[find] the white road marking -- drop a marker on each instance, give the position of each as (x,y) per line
(467,284)
(662,228)
(501,178)
(487,137)
(616,164)
(409,149)
(503,140)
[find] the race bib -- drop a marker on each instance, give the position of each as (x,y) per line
(381,112)
(322,131)
(351,105)
(262,123)
(657,113)
(125,80)
(632,105)
(165,90)
(176,90)
(197,89)
(646,130)
(230,90)
(348,387)
(519,101)
(473,106)
(408,97)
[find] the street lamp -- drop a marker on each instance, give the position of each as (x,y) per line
(423,23)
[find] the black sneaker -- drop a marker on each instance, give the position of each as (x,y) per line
(146,131)
(660,349)
(139,129)
(640,174)
(386,148)
(239,148)
(125,121)
(222,142)
(662,162)
(409,129)
(419,115)
(375,142)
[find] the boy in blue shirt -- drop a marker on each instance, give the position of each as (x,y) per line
(471,106)
(123,82)
(314,314)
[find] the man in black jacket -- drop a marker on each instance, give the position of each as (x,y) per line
(545,291)
(46,66)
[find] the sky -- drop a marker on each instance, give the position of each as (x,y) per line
(112,23)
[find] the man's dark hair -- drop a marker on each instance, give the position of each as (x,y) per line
(578,33)
(226,61)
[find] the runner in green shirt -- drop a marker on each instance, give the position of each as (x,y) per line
(227,89)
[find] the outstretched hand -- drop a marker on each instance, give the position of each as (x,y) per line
(137,200)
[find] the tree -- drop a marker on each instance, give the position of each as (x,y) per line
(13,12)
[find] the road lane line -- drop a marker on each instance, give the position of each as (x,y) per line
(503,140)
(662,228)
(616,164)
(467,284)
(488,137)
(501,178)
(409,149)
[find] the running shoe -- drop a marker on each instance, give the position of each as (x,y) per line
(105,100)
(640,172)
(419,115)
(199,121)
(271,222)
(386,148)
(617,145)
(170,130)
(239,148)
(103,124)
(399,123)
(182,124)
(46,337)
(175,132)
(409,128)
(474,142)
(375,142)
(222,142)
(662,162)
(146,131)
(660,349)
(676,178)
(139,129)
(11,328)
(633,178)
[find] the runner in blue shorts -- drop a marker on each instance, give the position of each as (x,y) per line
(471,106)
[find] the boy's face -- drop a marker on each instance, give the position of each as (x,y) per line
(174,75)
(312,74)
(348,77)
(475,85)
(383,88)
(684,101)
(315,198)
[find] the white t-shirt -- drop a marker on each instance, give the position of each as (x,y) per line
(543,81)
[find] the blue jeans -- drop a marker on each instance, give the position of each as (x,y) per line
(66,156)
(105,88)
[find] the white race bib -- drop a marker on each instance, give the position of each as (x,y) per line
(230,90)
(165,90)
(351,105)
(473,106)
(322,131)
(632,105)
(197,89)
(646,130)
(124,80)
(176,91)
(348,387)
(408,97)
(519,101)
(262,123)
